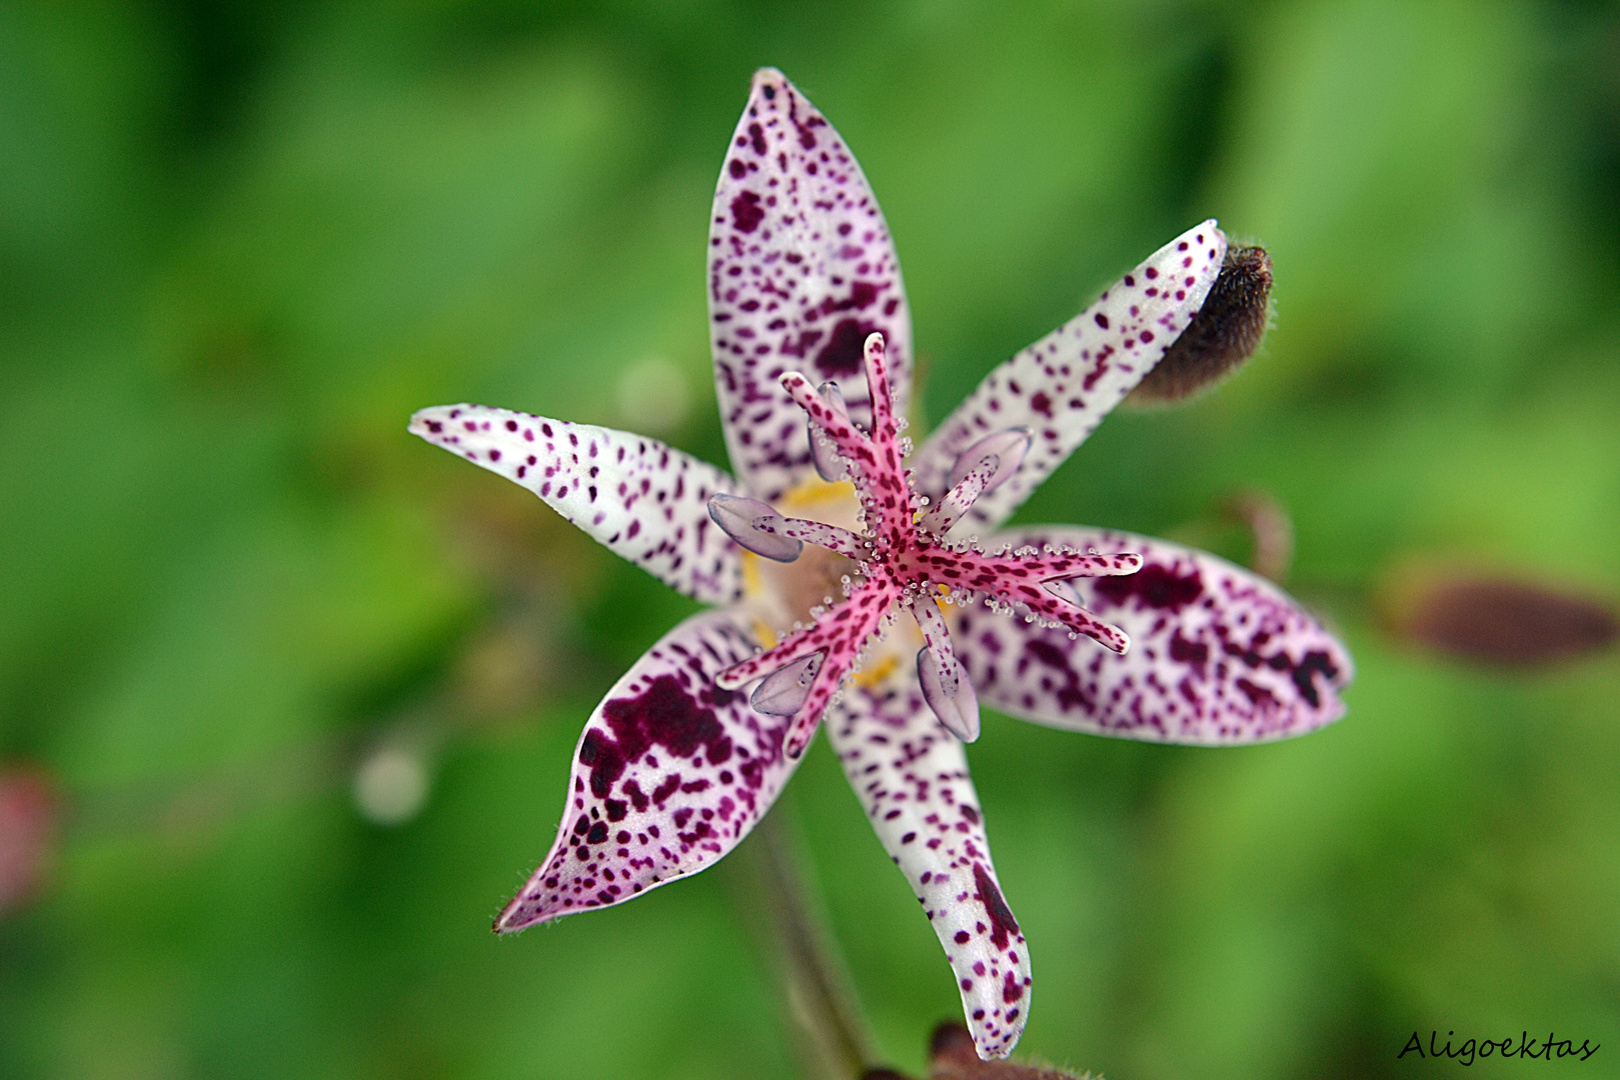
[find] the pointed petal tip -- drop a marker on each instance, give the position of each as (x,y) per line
(793,265)
(1105,349)
(888,745)
(427,422)
(515,917)
(669,775)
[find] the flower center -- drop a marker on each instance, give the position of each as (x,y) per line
(904,558)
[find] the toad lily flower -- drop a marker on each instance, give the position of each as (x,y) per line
(1071,627)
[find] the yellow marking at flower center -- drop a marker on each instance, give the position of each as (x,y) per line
(795,587)
(767,636)
(878,672)
(814,491)
(753,584)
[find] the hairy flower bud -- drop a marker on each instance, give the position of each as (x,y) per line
(951,1057)
(1225,332)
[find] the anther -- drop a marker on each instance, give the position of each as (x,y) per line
(737,516)
(1009,446)
(784,690)
(957,709)
(823,453)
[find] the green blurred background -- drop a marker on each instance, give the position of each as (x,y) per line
(306,688)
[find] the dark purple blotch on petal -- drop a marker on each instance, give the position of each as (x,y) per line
(663,715)
(1002,923)
(1154,586)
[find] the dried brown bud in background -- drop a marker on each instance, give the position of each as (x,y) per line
(27,828)
(951,1057)
(1226,331)
(1498,621)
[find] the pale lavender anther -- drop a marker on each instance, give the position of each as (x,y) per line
(830,421)
(782,692)
(823,454)
(1064,590)
(740,518)
(954,703)
(945,685)
(1008,446)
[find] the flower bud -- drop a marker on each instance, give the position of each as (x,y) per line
(951,1056)
(823,455)
(1225,332)
(1497,621)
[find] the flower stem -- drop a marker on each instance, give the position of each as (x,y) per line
(776,898)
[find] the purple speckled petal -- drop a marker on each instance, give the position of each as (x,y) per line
(638,497)
(1063,385)
(1219,655)
(670,773)
(801,270)
(912,778)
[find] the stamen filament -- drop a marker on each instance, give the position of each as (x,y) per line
(830,537)
(937,636)
(957,501)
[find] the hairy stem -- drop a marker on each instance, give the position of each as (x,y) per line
(779,903)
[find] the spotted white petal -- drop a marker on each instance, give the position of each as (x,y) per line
(670,773)
(1063,385)
(639,498)
(801,270)
(1219,655)
(912,779)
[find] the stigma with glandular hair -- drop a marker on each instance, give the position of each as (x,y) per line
(904,557)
